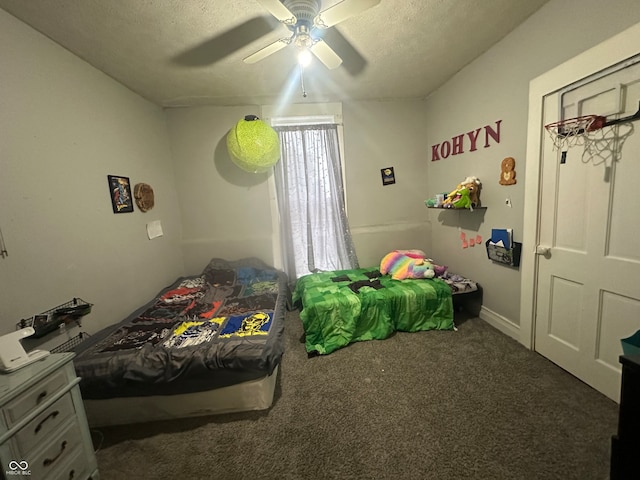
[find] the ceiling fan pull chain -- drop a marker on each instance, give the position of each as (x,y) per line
(304,92)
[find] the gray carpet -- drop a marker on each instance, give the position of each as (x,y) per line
(471,404)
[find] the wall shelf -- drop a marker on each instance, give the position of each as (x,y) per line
(457,209)
(50,320)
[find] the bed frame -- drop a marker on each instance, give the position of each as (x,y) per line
(247,396)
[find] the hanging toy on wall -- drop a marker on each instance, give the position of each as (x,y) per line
(253,145)
(508,171)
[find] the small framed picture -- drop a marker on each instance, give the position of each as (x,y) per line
(388,177)
(120,191)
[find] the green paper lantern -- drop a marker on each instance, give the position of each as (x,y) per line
(253,145)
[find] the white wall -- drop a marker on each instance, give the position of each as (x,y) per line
(226,212)
(65,126)
(380,134)
(494,87)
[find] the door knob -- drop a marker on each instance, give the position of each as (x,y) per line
(542,250)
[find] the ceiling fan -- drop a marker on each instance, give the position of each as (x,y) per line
(308,25)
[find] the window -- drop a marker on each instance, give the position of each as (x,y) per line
(314,230)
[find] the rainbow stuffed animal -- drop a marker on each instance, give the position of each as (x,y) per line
(401,266)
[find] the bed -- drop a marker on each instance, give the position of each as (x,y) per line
(341,307)
(209,343)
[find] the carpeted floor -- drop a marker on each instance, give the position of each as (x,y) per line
(472,404)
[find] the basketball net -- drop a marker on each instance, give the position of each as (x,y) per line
(605,145)
(602,143)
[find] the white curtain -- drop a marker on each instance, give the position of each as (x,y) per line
(314,227)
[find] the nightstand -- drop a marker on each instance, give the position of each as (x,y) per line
(43,428)
(626,444)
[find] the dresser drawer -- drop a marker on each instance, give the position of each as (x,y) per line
(58,451)
(76,469)
(42,427)
(34,397)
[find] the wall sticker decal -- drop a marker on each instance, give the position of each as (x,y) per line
(457,144)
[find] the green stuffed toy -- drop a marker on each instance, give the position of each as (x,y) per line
(461,199)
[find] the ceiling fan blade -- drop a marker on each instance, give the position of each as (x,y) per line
(326,54)
(268,50)
(352,61)
(220,46)
(341,11)
(278,10)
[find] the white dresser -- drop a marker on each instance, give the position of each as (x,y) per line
(43,428)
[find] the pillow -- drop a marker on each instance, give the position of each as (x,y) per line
(401,266)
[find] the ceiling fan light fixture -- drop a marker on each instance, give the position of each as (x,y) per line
(306,21)
(304,57)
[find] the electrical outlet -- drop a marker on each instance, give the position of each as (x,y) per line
(507,202)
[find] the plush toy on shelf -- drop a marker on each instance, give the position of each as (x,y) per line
(465,195)
(461,199)
(475,187)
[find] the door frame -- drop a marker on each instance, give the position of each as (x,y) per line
(604,55)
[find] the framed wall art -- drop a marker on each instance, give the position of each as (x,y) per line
(120,191)
(388,177)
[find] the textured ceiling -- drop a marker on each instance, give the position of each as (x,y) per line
(167,51)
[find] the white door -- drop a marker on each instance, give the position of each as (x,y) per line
(588,288)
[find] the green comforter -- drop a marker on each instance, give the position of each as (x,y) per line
(348,306)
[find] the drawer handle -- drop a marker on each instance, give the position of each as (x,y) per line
(49,461)
(41,397)
(53,414)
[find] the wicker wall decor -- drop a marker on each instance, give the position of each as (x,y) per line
(143,193)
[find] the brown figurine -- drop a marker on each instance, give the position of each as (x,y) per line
(508,173)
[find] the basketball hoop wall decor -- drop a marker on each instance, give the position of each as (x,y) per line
(143,193)
(572,131)
(602,139)
(253,145)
